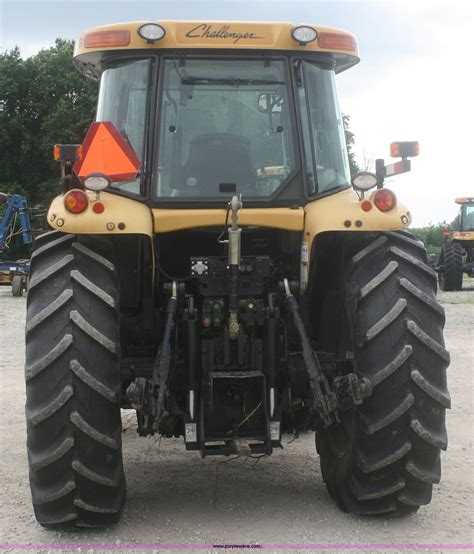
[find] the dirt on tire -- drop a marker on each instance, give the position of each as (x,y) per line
(385,455)
(73,384)
(177,497)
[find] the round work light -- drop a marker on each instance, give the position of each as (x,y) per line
(151,32)
(304,35)
(364,180)
(96,182)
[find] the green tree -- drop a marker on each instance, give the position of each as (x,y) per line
(432,236)
(350,141)
(43,100)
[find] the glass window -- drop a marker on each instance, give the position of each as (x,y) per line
(327,164)
(225,126)
(468,217)
(122,100)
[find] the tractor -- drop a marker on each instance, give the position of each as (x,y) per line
(15,220)
(14,274)
(457,255)
(212,266)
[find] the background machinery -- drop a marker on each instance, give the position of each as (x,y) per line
(15,221)
(457,255)
(212,267)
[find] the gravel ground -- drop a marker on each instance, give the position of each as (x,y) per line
(176,497)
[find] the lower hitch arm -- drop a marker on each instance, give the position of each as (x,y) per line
(325,401)
(163,358)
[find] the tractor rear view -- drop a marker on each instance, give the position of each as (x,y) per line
(211,267)
(457,256)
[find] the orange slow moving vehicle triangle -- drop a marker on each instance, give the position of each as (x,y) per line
(106,151)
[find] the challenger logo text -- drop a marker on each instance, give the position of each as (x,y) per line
(204,30)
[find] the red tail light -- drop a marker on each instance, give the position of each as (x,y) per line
(76,201)
(385,200)
(98,207)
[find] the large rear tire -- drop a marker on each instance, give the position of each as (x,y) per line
(450,276)
(73,384)
(385,455)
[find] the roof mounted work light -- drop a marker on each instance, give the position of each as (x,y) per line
(304,34)
(151,32)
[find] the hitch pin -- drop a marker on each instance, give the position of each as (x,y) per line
(272,401)
(191,404)
(287,287)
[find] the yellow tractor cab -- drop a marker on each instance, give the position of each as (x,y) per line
(465,219)
(218,109)
(213,266)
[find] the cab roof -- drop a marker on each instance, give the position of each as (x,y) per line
(465,200)
(100,43)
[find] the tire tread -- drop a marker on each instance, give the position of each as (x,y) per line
(386,453)
(73,383)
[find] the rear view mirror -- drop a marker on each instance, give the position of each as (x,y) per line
(269,102)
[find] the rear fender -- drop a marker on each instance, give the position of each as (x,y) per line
(342,212)
(121,216)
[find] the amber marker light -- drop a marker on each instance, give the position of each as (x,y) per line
(67,152)
(337,41)
(385,200)
(98,39)
(404,149)
(76,201)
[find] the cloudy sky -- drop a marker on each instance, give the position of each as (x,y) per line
(414,82)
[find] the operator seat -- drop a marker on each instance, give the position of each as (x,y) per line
(218,158)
